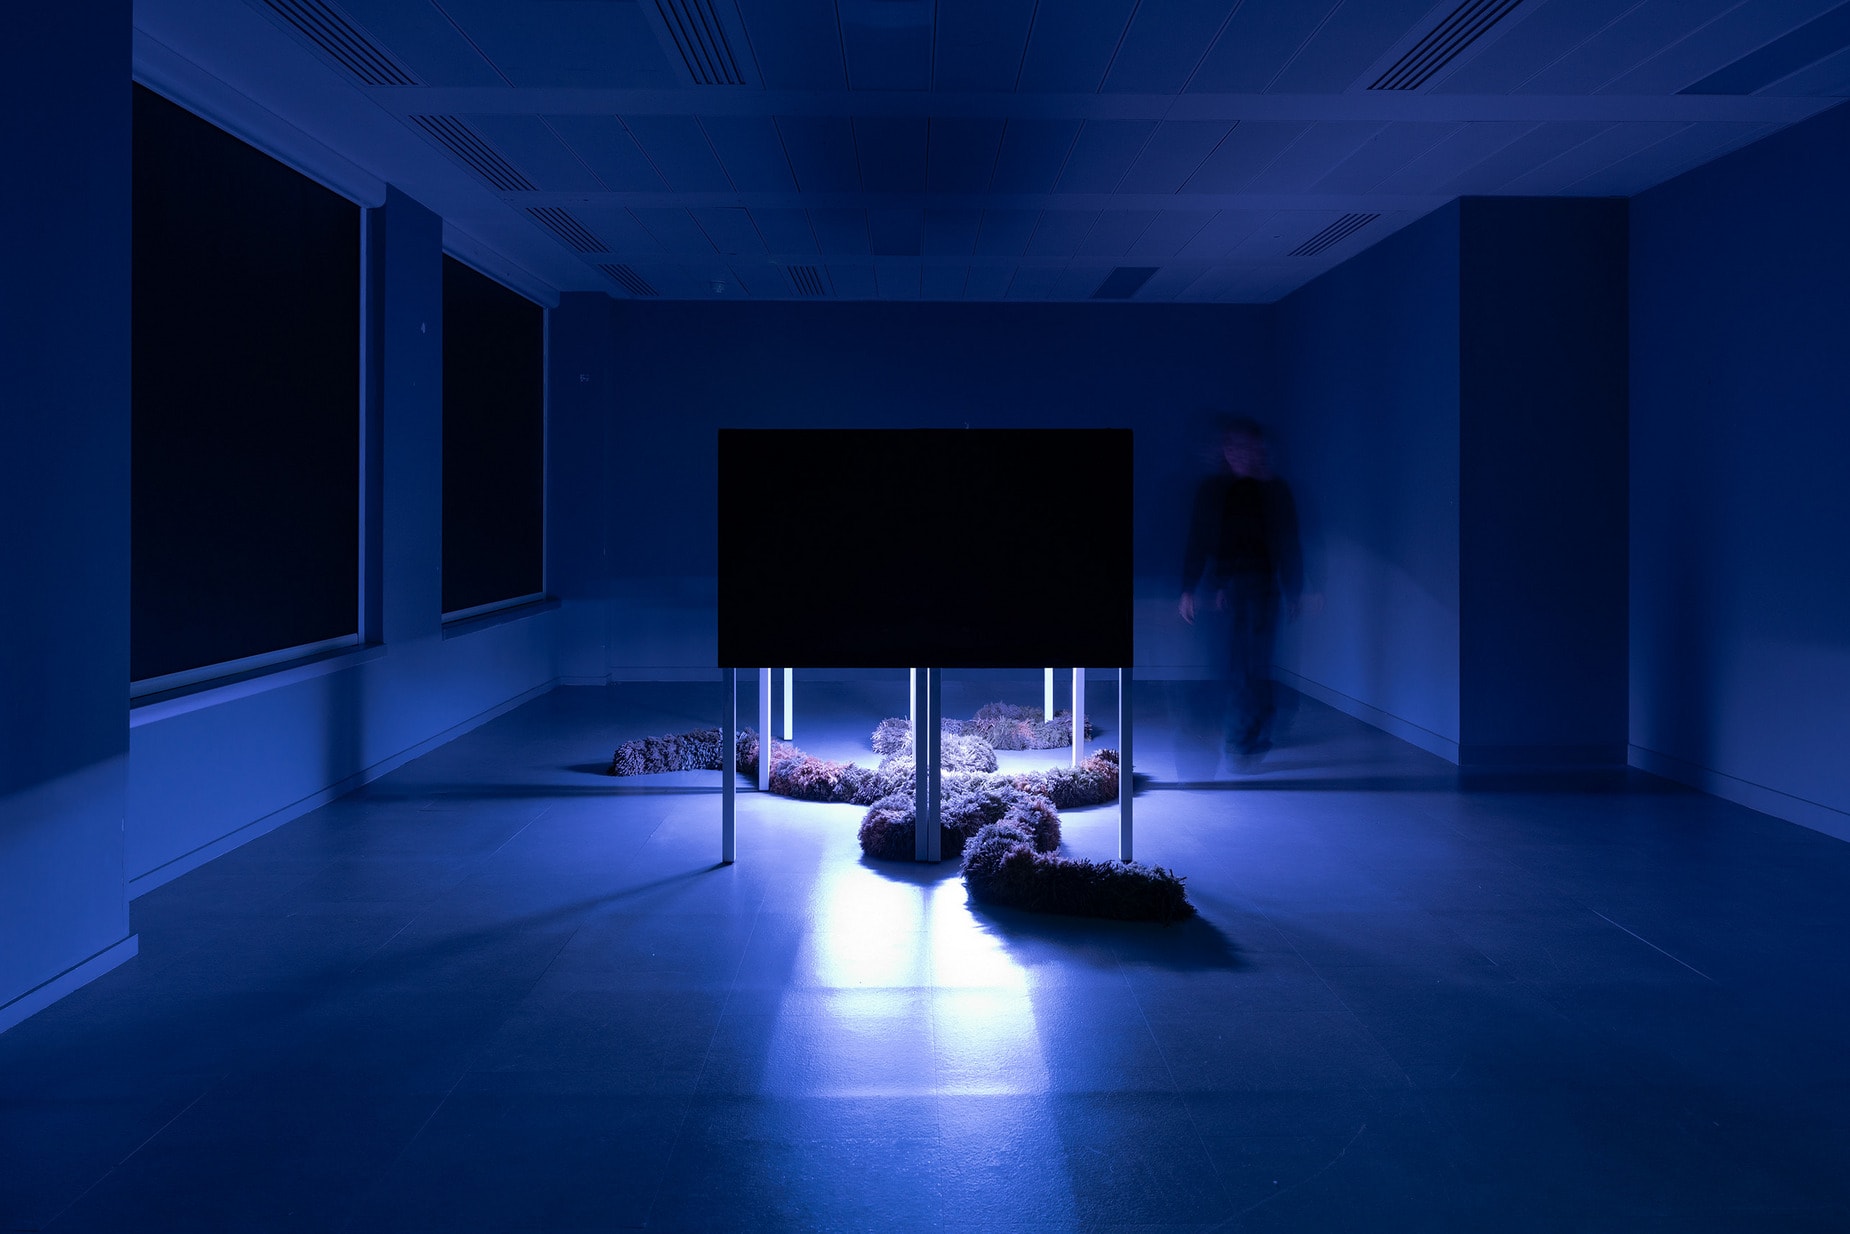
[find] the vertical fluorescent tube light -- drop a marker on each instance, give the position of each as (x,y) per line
(729,773)
(764,730)
(790,681)
(1079,715)
(912,699)
(1049,693)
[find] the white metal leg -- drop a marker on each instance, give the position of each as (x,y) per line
(927,747)
(1124,764)
(1048,691)
(790,709)
(729,771)
(764,730)
(912,701)
(1079,716)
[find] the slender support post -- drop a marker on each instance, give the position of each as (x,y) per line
(912,700)
(1124,763)
(1048,691)
(729,772)
(764,730)
(1079,716)
(927,746)
(790,707)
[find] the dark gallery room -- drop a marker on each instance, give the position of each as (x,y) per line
(1300,544)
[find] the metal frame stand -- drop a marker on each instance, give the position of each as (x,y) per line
(1079,716)
(1047,691)
(764,730)
(1125,784)
(729,771)
(928,844)
(790,708)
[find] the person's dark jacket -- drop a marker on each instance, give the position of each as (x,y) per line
(1244,528)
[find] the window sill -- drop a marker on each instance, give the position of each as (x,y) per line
(499,617)
(153,708)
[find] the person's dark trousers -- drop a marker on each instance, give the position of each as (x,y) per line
(1252,631)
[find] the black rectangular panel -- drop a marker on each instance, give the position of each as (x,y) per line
(951,548)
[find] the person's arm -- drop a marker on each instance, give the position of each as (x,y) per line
(1195,551)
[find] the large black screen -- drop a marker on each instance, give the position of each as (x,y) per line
(246,401)
(958,548)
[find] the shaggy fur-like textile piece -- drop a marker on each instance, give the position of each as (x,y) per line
(890,826)
(693,751)
(1003,866)
(1005,726)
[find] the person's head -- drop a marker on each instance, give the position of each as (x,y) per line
(1243,447)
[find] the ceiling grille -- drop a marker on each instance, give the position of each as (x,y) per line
(628,280)
(701,39)
(327,28)
(567,228)
(1466,25)
(468,148)
(1123,282)
(807,280)
(1336,232)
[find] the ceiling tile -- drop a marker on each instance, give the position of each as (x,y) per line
(853,280)
(942,282)
(1060,232)
(797,43)
(1720,43)
(1614,145)
(1174,151)
(1386,153)
(1257,43)
(897,279)
(1114,232)
(1347,45)
(891,153)
(1622,44)
(1033,152)
(1532,37)
(1247,151)
(1032,282)
(1698,143)
(431,47)
(962,153)
(988,280)
(1171,280)
(1071,44)
(730,230)
(677,145)
(582,43)
(1535,147)
(677,232)
(786,231)
(822,154)
(841,233)
(1005,233)
(1168,232)
(1079,281)
(618,229)
(751,152)
(887,43)
(951,233)
(1102,153)
(980,44)
(1164,44)
(609,150)
(1465,148)
(1225,232)
(1317,151)
(895,233)
(530,144)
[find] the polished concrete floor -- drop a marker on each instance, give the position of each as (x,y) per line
(498,991)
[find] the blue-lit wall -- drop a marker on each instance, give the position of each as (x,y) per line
(1369,359)
(686,370)
(1740,513)
(64,473)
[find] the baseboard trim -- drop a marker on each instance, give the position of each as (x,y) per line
(1387,722)
(80,974)
(187,862)
(1832,822)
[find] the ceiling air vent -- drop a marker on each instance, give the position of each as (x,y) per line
(327,28)
(468,148)
(807,280)
(701,39)
(1340,230)
(567,228)
(1466,25)
(1122,283)
(628,280)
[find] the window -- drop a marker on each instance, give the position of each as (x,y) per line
(494,443)
(246,404)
